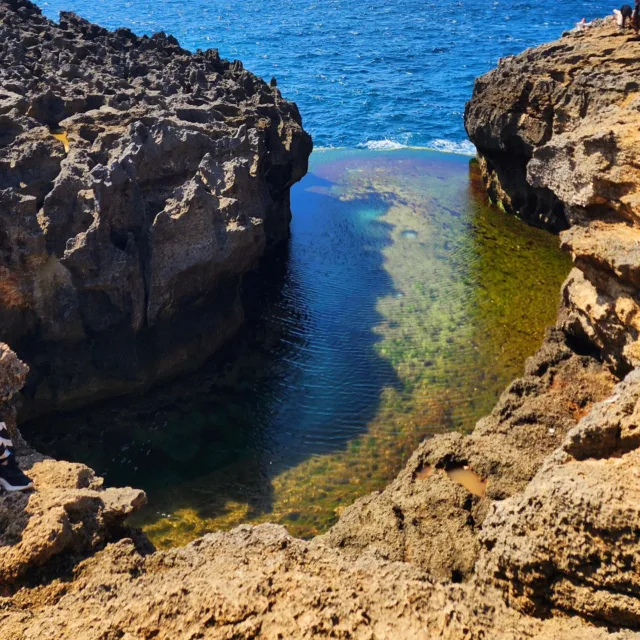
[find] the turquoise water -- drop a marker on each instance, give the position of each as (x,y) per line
(381,73)
(401,307)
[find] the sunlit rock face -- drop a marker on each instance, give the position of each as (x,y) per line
(557,133)
(68,516)
(138,183)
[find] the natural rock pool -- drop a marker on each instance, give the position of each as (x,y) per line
(402,306)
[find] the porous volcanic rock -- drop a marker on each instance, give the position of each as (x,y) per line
(123,241)
(557,129)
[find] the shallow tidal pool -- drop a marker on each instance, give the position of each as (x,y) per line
(401,307)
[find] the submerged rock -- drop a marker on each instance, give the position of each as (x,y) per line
(433,521)
(138,183)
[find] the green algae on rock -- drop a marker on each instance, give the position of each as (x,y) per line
(373,339)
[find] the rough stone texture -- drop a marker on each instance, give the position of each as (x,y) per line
(433,522)
(551,550)
(67,516)
(121,259)
(570,540)
(261,583)
(557,131)
(69,513)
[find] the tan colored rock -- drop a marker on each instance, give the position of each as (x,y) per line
(258,582)
(570,541)
(13,373)
(557,130)
(546,546)
(68,513)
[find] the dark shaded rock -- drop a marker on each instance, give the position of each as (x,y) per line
(123,241)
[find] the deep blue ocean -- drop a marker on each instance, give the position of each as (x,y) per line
(365,73)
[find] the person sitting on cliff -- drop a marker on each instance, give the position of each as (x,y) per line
(11,476)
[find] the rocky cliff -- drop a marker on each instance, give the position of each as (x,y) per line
(556,559)
(556,129)
(544,546)
(138,183)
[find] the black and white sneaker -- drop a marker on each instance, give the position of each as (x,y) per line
(12,478)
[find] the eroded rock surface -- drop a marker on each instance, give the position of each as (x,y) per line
(68,516)
(545,547)
(570,540)
(259,582)
(60,581)
(138,183)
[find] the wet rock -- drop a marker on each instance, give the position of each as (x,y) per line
(138,184)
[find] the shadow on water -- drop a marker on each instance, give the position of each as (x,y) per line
(302,379)
(400,308)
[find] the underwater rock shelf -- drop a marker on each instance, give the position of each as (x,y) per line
(548,549)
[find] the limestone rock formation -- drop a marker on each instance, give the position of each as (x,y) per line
(557,132)
(67,569)
(570,541)
(259,582)
(138,183)
(546,545)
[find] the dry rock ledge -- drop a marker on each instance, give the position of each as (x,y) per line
(552,547)
(138,184)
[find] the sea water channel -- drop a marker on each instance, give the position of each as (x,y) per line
(401,307)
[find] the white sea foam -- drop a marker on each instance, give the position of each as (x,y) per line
(464,148)
(382,145)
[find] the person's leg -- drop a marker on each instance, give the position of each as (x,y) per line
(11,476)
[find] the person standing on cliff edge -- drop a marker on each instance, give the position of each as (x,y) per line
(11,476)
